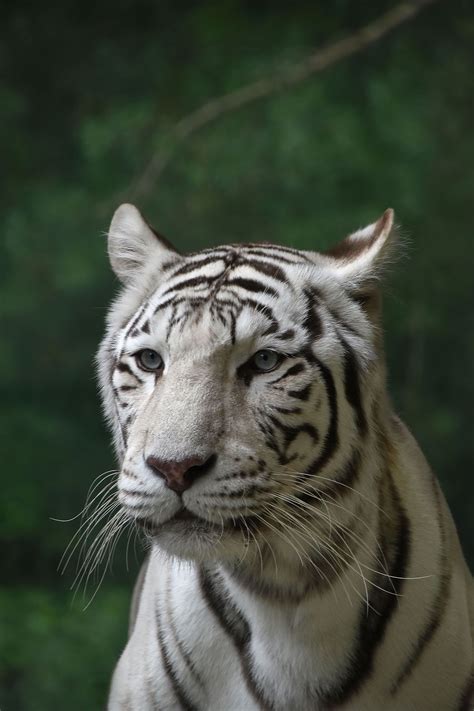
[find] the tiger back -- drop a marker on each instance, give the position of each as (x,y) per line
(302,554)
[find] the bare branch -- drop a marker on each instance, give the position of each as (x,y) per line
(286,78)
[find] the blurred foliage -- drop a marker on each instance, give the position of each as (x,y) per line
(89,92)
(43,656)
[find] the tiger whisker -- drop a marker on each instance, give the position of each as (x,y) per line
(292,532)
(103,493)
(360,541)
(318,495)
(85,529)
(294,501)
(87,564)
(97,481)
(106,508)
(340,554)
(107,548)
(295,475)
(357,538)
(117,534)
(303,534)
(337,553)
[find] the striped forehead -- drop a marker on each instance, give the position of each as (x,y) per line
(228,292)
(264,264)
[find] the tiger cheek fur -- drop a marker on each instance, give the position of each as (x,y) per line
(302,554)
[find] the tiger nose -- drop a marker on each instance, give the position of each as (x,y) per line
(179,476)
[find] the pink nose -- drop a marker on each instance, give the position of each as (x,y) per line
(179,476)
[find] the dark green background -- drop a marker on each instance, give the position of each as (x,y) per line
(88,92)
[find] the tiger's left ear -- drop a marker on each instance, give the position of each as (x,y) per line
(360,258)
(133,245)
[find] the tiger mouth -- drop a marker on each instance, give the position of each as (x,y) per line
(182,515)
(187,516)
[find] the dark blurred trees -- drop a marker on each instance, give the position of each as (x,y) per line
(89,91)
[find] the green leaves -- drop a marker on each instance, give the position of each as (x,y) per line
(88,97)
(53,653)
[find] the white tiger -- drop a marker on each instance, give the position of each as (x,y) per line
(302,553)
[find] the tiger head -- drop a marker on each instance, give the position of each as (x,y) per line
(241,383)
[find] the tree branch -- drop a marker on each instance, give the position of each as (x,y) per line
(285,79)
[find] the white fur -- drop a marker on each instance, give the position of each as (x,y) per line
(198,408)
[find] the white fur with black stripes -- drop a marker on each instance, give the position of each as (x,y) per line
(321,569)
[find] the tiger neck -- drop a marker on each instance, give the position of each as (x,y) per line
(326,547)
(289,606)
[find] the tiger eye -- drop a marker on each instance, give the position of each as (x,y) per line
(266,360)
(148,359)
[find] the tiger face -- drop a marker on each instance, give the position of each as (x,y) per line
(239,382)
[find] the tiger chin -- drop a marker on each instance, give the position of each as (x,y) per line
(302,555)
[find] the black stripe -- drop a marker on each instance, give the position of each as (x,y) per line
(166,266)
(191,266)
(340,321)
(340,485)
(125,368)
(231,304)
(439,604)
(287,410)
(312,322)
(302,394)
(290,433)
(136,319)
(316,581)
(246,373)
(251,285)
(268,247)
(277,257)
(171,322)
(234,625)
(331,441)
(286,335)
(271,270)
(233,325)
(173,300)
(346,478)
(193,282)
(180,645)
(261,309)
(294,370)
(466,702)
(223,250)
(352,387)
(180,693)
(394,540)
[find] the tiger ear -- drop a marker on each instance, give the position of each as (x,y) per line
(361,258)
(362,255)
(133,245)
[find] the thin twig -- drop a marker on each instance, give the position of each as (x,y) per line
(279,81)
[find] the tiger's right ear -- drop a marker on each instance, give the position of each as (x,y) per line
(133,244)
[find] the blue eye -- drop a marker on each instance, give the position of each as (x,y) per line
(150,360)
(266,360)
